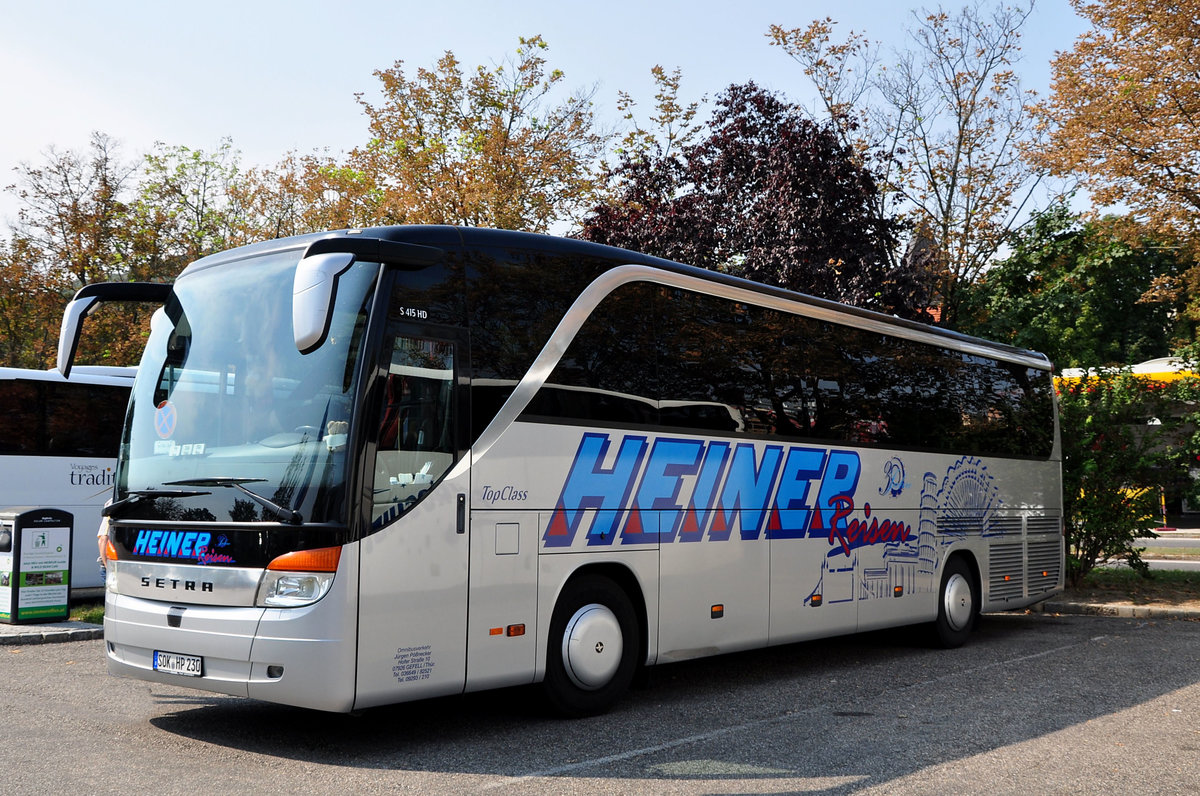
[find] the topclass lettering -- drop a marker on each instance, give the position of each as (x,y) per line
(493,494)
(688,489)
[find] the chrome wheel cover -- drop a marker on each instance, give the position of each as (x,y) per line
(591,647)
(957,602)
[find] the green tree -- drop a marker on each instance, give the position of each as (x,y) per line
(1081,292)
(1124,438)
(186,206)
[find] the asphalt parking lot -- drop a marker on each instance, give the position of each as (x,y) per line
(1035,703)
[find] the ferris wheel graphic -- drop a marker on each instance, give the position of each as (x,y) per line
(967,499)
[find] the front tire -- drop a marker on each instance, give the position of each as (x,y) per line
(958,604)
(592,648)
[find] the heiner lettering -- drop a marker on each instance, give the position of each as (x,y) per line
(688,490)
(178,544)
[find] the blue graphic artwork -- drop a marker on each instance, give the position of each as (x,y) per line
(893,472)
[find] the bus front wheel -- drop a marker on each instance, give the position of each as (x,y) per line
(958,604)
(593,645)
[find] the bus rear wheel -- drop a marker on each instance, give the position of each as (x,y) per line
(958,604)
(592,654)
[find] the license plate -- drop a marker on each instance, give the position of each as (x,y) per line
(174,663)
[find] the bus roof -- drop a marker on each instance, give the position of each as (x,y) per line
(472,237)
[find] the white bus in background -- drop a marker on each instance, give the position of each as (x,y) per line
(58,448)
(380,465)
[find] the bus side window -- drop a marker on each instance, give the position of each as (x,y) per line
(389,426)
(416,429)
(22,416)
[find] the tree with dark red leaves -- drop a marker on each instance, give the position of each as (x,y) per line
(768,194)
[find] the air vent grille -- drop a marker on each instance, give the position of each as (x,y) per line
(1006,573)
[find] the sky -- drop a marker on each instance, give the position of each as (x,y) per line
(275,77)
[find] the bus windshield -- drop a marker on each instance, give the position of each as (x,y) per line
(228,422)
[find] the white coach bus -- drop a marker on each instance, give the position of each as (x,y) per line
(58,448)
(381,465)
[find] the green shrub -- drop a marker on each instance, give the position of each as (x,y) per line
(1128,442)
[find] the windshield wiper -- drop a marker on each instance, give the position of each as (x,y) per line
(287,515)
(138,495)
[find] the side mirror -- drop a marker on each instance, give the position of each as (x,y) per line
(72,327)
(314,288)
(87,300)
(313,292)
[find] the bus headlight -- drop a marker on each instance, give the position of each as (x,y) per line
(299,578)
(292,589)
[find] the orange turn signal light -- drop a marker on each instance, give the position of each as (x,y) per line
(511,631)
(323,559)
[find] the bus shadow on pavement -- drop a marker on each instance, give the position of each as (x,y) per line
(871,707)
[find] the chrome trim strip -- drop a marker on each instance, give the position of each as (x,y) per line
(186,584)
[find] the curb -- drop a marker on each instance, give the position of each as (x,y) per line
(12,635)
(1110,609)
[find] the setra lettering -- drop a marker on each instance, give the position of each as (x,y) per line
(176,584)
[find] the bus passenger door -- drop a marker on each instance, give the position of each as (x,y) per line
(413,572)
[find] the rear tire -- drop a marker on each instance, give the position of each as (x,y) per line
(958,604)
(592,649)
